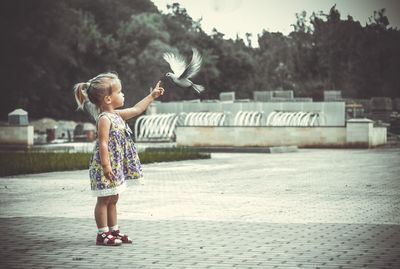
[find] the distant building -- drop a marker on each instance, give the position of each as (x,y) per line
(85,132)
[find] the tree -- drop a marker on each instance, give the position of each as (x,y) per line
(274,62)
(37,57)
(52,45)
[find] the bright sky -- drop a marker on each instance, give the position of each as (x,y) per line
(233,17)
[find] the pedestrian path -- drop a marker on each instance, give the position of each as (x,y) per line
(39,242)
(308,209)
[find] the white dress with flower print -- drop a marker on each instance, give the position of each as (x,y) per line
(123,156)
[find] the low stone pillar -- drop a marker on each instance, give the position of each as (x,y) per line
(227,96)
(362,133)
(18,117)
(18,135)
(17,132)
(262,96)
(330,96)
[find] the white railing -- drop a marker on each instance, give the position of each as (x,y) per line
(248,118)
(156,127)
(161,127)
(282,118)
(204,119)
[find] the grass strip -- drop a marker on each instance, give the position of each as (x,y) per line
(15,163)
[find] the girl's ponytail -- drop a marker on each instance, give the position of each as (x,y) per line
(80,92)
(91,93)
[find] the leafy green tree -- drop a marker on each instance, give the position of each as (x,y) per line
(109,14)
(51,45)
(37,57)
(354,59)
(141,41)
(274,62)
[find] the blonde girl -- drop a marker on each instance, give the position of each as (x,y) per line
(115,161)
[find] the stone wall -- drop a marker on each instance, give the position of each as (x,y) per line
(16,135)
(260,136)
(356,134)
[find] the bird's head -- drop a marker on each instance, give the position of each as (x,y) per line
(169,74)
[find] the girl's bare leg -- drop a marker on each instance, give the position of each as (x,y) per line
(112,211)
(100,211)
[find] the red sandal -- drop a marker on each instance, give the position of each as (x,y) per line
(123,237)
(107,239)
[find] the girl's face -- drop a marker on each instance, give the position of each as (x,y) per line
(117,96)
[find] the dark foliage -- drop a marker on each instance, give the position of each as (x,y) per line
(48,46)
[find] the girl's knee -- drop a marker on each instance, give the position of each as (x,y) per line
(114,199)
(104,200)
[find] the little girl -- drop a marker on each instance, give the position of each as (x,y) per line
(115,161)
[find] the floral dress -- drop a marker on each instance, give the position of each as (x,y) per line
(123,156)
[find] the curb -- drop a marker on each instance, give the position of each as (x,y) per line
(282,149)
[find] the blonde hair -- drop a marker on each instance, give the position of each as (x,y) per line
(95,89)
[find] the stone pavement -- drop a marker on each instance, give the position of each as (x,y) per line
(309,209)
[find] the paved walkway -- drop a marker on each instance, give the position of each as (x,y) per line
(309,209)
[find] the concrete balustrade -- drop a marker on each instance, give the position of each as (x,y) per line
(331,113)
(302,129)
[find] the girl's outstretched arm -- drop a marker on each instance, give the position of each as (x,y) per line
(140,107)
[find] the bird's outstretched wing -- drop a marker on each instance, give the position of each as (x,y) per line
(193,67)
(176,62)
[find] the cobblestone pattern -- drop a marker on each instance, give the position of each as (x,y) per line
(319,186)
(311,209)
(69,243)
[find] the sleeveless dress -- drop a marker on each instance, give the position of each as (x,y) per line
(123,156)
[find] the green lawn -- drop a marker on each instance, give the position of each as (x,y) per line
(14,163)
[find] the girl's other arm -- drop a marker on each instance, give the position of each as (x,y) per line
(104,125)
(140,107)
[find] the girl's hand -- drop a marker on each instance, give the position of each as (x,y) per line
(108,173)
(157,91)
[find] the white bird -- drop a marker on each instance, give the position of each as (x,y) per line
(181,72)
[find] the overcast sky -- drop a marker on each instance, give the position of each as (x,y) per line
(233,17)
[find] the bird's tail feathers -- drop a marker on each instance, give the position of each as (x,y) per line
(198,88)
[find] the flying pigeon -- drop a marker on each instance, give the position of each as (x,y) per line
(181,72)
